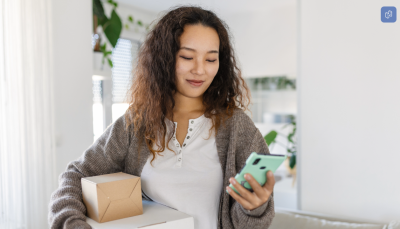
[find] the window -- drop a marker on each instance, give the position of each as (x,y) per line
(123,56)
(98,120)
(109,100)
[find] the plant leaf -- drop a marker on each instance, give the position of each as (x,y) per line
(130,18)
(270,137)
(292,161)
(98,10)
(113,28)
(290,137)
(110,62)
(103,47)
(106,53)
(139,22)
(112,3)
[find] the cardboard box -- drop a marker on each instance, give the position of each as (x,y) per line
(112,196)
(155,216)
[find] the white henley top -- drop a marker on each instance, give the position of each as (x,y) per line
(190,181)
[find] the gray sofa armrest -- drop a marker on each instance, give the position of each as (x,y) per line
(285,218)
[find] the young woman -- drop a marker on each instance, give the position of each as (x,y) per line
(185,132)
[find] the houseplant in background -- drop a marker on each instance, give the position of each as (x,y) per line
(291,146)
(111,27)
(273,83)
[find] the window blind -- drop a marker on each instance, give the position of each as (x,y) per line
(123,55)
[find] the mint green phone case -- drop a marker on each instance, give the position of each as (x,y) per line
(258,165)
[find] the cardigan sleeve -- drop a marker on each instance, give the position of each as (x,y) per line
(106,155)
(262,216)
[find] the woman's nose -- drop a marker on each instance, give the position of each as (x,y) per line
(198,68)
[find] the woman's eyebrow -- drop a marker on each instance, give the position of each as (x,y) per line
(194,50)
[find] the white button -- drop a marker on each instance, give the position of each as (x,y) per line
(188,137)
(177,145)
(190,129)
(192,122)
(184,145)
(179,159)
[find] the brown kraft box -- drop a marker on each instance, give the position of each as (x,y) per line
(112,196)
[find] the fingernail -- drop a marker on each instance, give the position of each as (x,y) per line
(227,188)
(247,177)
(233,181)
(270,174)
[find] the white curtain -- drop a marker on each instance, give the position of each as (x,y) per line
(27,147)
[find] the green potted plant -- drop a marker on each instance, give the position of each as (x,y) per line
(291,146)
(111,27)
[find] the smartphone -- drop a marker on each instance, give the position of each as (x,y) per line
(258,165)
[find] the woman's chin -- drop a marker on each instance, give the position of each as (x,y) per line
(193,94)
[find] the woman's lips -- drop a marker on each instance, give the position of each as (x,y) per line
(196,83)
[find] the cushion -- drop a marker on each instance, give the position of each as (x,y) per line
(283,220)
(394,225)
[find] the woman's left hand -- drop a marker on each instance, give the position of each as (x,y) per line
(252,200)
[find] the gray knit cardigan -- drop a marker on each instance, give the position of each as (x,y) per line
(116,150)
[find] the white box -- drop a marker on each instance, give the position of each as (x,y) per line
(155,216)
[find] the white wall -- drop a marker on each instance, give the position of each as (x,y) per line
(72,32)
(265,41)
(73,57)
(264,32)
(349,109)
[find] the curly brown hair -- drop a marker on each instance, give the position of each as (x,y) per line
(150,97)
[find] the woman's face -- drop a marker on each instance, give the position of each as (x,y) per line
(197,60)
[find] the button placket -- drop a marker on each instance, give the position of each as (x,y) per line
(190,131)
(179,158)
(174,137)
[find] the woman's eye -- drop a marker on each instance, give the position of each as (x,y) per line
(188,58)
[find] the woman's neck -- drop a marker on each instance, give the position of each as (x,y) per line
(189,106)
